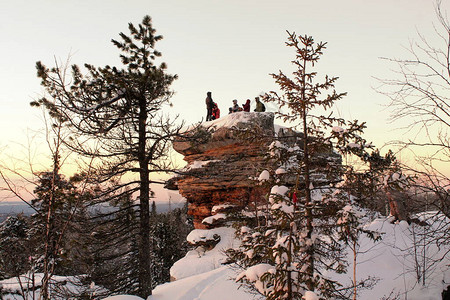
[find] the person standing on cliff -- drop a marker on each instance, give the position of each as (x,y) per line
(246,106)
(260,107)
(209,106)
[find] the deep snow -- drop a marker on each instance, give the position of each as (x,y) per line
(390,260)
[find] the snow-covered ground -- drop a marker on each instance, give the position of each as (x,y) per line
(201,275)
(391,261)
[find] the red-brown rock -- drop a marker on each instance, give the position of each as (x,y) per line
(221,162)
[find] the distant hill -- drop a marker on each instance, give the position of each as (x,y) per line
(165,201)
(8,208)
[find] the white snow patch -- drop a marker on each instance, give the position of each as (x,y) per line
(211,285)
(310,296)
(228,121)
(193,264)
(123,297)
(277,191)
(264,176)
(254,273)
(288,209)
(211,219)
(220,207)
(280,171)
(197,164)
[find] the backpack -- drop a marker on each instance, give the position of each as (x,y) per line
(263,107)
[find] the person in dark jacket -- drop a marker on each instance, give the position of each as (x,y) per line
(260,107)
(209,106)
(246,106)
(235,107)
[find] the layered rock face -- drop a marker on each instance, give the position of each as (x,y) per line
(223,155)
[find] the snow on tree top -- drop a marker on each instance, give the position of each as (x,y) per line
(277,190)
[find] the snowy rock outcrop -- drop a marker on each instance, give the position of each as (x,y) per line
(223,155)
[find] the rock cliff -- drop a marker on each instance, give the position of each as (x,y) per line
(223,157)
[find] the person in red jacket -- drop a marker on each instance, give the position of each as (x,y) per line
(246,106)
(215,111)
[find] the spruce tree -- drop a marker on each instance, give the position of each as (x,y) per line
(114,115)
(308,213)
(15,247)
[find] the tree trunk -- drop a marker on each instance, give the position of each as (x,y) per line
(308,204)
(145,277)
(49,238)
(289,262)
(355,253)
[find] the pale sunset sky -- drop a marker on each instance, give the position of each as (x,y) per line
(226,47)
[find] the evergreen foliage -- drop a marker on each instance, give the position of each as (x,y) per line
(168,241)
(114,118)
(15,249)
(309,216)
(58,204)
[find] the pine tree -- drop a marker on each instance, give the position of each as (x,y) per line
(58,205)
(119,110)
(168,239)
(111,238)
(15,247)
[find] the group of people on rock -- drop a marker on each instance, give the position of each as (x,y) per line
(260,107)
(213,111)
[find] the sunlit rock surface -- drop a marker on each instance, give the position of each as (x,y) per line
(224,157)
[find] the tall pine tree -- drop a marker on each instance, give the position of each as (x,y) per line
(115,116)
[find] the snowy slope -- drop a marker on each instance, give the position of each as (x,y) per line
(390,260)
(217,284)
(203,277)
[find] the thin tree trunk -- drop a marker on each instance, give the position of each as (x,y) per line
(289,262)
(145,278)
(308,209)
(354,269)
(48,231)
